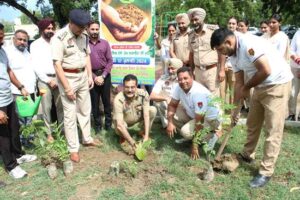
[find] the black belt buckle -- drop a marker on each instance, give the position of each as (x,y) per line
(98,72)
(51,75)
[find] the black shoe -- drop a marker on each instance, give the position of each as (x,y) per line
(98,129)
(291,118)
(243,158)
(259,181)
(108,128)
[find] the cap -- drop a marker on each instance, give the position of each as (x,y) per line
(79,17)
(175,62)
(197,11)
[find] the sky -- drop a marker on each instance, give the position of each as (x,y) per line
(9,13)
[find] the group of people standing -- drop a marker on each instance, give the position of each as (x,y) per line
(257,70)
(74,66)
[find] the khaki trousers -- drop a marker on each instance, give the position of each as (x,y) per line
(208,78)
(139,122)
(186,125)
(47,105)
(294,94)
(79,109)
(228,83)
(267,105)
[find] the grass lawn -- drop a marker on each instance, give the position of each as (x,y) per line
(166,173)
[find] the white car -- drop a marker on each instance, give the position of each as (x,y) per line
(253,30)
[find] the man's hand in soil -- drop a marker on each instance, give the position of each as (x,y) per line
(195,152)
(3,117)
(171,130)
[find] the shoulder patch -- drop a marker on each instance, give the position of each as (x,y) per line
(251,52)
(62,35)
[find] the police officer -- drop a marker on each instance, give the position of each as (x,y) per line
(202,57)
(179,46)
(73,68)
(162,90)
(270,77)
(131,107)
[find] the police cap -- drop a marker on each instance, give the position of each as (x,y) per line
(79,17)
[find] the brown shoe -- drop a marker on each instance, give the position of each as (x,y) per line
(95,143)
(75,157)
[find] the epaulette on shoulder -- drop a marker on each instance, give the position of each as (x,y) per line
(212,27)
(62,35)
(141,92)
(121,97)
(191,32)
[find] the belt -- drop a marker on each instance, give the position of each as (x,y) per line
(75,71)
(207,67)
(51,75)
(98,72)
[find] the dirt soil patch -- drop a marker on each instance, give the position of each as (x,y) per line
(148,172)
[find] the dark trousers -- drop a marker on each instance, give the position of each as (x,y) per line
(10,145)
(102,91)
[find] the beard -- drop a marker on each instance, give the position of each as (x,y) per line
(172,76)
(198,27)
(183,29)
(94,35)
(21,47)
(48,35)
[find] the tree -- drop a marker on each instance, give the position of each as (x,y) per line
(21,5)
(26,20)
(60,8)
(289,10)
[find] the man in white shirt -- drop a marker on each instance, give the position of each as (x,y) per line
(20,61)
(162,90)
(199,111)
(295,66)
(43,66)
(270,77)
(10,145)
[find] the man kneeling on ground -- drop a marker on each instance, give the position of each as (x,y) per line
(162,91)
(199,111)
(132,107)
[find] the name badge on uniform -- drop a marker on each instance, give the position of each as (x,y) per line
(70,43)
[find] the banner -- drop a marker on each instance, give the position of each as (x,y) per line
(128,25)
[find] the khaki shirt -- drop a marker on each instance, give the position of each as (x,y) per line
(180,46)
(199,45)
(70,49)
(131,111)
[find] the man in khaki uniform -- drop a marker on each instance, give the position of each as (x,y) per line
(270,77)
(202,57)
(179,46)
(131,107)
(73,68)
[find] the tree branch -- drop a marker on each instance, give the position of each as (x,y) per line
(21,8)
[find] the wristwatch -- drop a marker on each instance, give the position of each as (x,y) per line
(21,87)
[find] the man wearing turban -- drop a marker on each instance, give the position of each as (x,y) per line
(179,46)
(203,59)
(43,65)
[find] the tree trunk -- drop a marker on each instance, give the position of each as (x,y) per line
(21,8)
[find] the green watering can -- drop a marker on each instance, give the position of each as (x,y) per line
(26,107)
